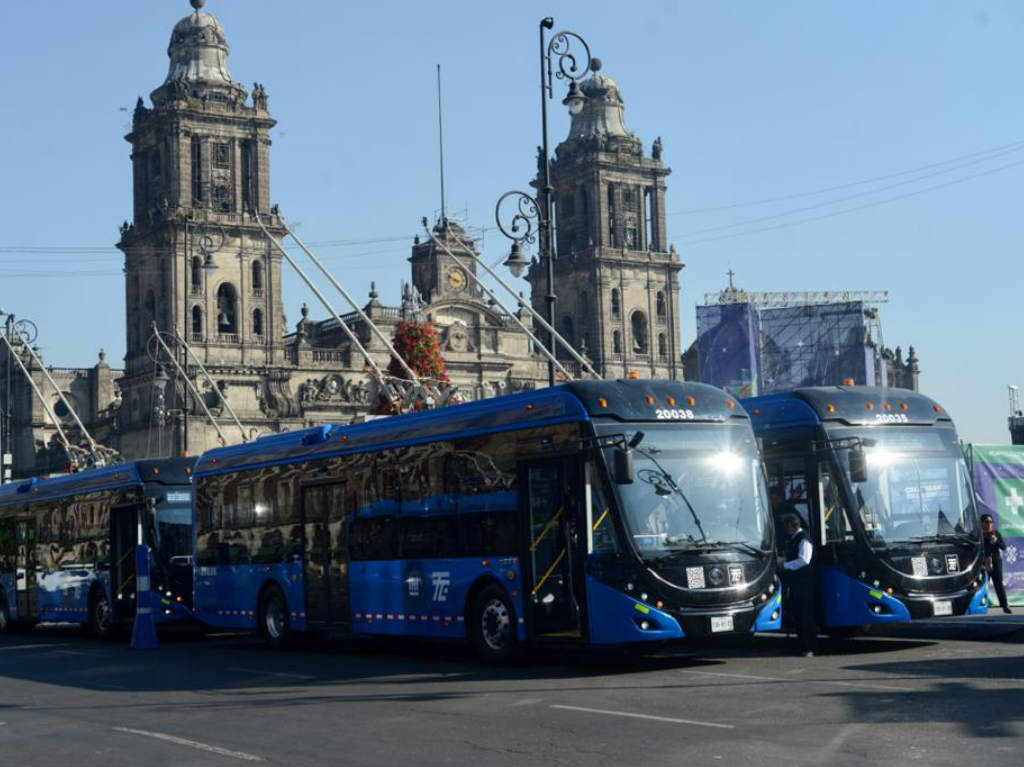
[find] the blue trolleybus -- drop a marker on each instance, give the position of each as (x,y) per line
(879,478)
(67,545)
(602,512)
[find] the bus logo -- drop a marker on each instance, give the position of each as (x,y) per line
(952,563)
(441,583)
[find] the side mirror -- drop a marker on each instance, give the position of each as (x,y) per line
(623,466)
(858,464)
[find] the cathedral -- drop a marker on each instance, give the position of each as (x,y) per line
(199,265)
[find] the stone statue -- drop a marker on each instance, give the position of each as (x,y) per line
(259,96)
(656,149)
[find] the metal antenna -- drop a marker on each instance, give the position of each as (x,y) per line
(440,138)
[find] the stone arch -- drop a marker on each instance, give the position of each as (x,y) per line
(227,309)
(638,324)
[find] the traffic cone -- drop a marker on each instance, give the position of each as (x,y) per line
(144,630)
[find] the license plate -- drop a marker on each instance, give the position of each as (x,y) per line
(943,608)
(721,623)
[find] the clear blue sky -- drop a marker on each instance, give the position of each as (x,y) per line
(753,101)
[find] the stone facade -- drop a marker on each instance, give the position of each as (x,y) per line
(198,264)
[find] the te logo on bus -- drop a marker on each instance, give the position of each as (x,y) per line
(441,583)
(674,414)
(891,418)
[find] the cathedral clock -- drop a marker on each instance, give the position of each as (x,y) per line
(456,279)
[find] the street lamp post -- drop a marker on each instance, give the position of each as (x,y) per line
(571,54)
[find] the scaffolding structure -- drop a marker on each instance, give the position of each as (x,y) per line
(758,343)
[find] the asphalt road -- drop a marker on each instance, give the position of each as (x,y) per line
(938,692)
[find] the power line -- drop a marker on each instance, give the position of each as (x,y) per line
(846,198)
(871,204)
(847,185)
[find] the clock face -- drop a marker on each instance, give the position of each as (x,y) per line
(456,279)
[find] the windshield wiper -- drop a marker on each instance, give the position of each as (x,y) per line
(673,486)
(744,545)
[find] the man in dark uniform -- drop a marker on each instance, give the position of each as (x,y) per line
(798,582)
(994,545)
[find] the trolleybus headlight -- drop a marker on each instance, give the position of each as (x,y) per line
(659,604)
(771,589)
(775,615)
(645,625)
(643,595)
(889,590)
(876,608)
(876,584)
(629,587)
(764,597)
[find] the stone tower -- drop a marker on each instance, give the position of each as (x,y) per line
(615,276)
(196,260)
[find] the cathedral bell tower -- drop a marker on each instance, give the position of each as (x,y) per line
(196,260)
(615,276)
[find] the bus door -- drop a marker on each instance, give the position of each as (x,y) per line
(324,554)
(124,537)
(26,583)
(553,596)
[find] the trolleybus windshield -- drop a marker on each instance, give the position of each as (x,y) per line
(917,487)
(174,524)
(697,487)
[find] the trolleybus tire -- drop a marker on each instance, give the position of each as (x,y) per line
(275,626)
(101,618)
(493,626)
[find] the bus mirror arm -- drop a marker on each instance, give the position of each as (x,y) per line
(623,466)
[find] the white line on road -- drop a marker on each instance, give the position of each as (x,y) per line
(647,716)
(40,646)
(261,672)
(192,744)
(869,685)
(733,676)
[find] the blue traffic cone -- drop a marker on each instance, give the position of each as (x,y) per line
(144,630)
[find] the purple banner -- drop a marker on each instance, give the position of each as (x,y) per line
(999,486)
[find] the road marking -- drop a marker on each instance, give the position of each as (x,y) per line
(261,672)
(525,702)
(192,744)
(35,646)
(869,685)
(647,716)
(734,676)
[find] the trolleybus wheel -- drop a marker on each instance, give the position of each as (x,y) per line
(274,624)
(101,618)
(493,627)
(6,626)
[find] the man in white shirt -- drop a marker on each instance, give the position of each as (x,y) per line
(798,581)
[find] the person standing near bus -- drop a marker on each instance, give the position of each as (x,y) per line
(798,582)
(994,546)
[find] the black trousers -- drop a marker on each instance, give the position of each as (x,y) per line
(799,601)
(997,583)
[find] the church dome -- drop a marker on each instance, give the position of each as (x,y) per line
(199,55)
(602,113)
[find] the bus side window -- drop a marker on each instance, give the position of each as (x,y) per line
(8,546)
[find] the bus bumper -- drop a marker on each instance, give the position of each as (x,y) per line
(848,602)
(617,618)
(770,616)
(979,602)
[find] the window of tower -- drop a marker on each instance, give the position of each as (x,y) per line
(616,307)
(257,322)
(197,274)
(154,163)
(616,342)
(222,156)
(568,331)
(662,347)
(662,308)
(257,278)
(227,305)
(611,214)
(150,315)
(248,181)
(649,220)
(638,321)
(584,304)
(568,206)
(197,169)
(197,323)
(222,198)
